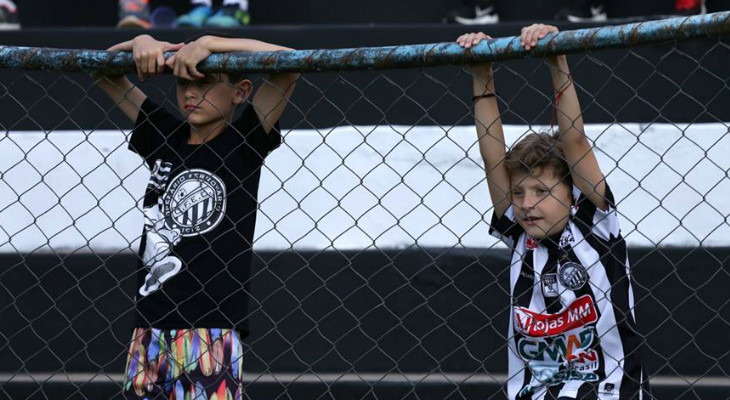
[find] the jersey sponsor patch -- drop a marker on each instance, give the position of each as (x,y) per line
(544,375)
(580,312)
(567,357)
(574,347)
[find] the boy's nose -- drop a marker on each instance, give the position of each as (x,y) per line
(190,92)
(529,201)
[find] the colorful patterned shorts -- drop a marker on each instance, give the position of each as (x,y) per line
(184,364)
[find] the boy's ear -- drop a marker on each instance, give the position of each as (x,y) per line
(243,91)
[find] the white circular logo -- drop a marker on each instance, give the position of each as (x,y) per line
(195,202)
(572,275)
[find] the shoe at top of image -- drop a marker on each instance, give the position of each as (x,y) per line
(163,17)
(134,14)
(582,11)
(474,12)
(8,15)
(689,7)
(231,16)
(195,18)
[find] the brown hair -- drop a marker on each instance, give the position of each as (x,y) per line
(536,152)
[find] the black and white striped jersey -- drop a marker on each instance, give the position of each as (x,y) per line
(572,327)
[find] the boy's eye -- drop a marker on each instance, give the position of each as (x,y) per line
(199,83)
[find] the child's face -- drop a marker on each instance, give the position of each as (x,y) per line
(541,202)
(210,100)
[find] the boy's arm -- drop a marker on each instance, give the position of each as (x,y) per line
(586,172)
(273,95)
(123,93)
(120,90)
(149,60)
(489,129)
(584,169)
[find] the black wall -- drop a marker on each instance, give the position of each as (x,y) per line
(415,310)
(422,307)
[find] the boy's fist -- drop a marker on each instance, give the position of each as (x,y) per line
(531,34)
(468,40)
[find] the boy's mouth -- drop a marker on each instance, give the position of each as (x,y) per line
(531,220)
(191,107)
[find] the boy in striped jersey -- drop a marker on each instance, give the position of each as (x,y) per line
(572,330)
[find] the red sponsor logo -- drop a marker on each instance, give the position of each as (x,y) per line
(581,312)
(531,243)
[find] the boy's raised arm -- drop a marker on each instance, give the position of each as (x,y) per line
(150,61)
(584,168)
(269,100)
(489,128)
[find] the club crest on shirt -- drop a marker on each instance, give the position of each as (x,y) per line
(194,202)
(550,285)
(531,243)
(572,276)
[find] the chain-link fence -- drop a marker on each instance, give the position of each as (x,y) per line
(373,272)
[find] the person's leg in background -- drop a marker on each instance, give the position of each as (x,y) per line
(689,7)
(134,14)
(196,18)
(8,15)
(582,11)
(474,12)
(233,14)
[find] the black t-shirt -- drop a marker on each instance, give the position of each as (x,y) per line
(200,212)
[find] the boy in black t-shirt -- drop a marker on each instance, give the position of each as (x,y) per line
(200,212)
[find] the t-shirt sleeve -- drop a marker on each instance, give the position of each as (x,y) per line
(153,128)
(506,228)
(602,223)
(255,140)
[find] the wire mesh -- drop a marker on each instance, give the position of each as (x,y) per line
(373,272)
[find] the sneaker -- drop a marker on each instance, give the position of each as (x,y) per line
(582,11)
(134,14)
(195,18)
(163,17)
(229,17)
(474,12)
(9,16)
